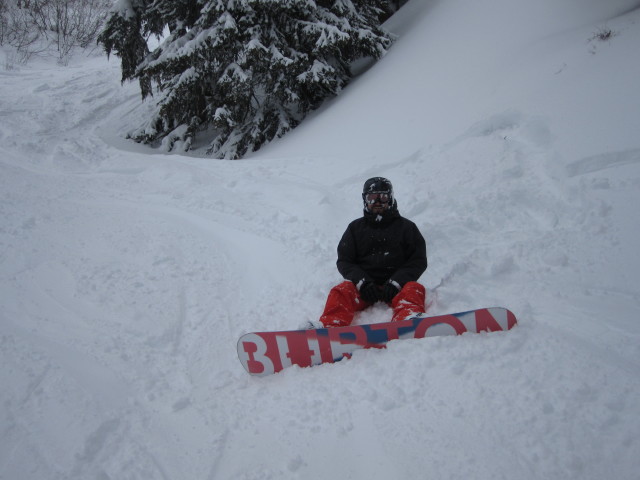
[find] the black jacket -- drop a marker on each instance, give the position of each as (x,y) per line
(382,248)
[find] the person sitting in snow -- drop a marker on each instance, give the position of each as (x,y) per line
(381,256)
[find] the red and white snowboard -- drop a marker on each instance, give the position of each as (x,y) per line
(264,353)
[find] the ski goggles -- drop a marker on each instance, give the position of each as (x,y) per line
(381,197)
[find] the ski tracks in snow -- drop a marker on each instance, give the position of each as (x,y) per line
(148,268)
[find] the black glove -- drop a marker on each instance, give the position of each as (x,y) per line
(388,292)
(369,292)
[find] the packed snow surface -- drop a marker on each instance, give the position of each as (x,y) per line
(510,131)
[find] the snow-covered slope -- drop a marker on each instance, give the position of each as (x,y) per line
(459,62)
(127,276)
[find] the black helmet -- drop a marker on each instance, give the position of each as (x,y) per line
(377,185)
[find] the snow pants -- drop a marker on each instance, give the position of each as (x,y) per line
(344,301)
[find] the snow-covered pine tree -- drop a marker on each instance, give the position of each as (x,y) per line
(124,34)
(246,71)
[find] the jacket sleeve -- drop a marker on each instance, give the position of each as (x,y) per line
(416,257)
(347,252)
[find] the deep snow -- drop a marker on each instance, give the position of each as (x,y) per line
(127,275)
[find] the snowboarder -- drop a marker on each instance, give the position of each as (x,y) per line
(381,256)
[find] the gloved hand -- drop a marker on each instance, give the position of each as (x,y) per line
(369,292)
(389,292)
